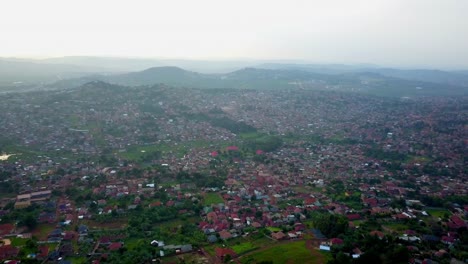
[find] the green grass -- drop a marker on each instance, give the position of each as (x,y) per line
(213,198)
(18,242)
(358,222)
(436,212)
(397,226)
(134,243)
(43,230)
(52,246)
(78,260)
(419,159)
(211,249)
(243,247)
(294,252)
(274,229)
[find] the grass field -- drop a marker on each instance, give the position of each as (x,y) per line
(274,229)
(42,231)
(294,252)
(243,247)
(18,242)
(398,227)
(213,198)
(77,260)
(437,212)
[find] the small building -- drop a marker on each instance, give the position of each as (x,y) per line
(325,247)
(278,235)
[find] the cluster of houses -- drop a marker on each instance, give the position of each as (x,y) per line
(329,167)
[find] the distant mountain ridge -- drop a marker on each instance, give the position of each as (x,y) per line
(354,78)
(270,79)
(459,78)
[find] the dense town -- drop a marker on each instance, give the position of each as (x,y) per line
(157,174)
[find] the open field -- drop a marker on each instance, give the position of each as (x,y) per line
(42,231)
(243,247)
(437,212)
(77,260)
(274,229)
(397,227)
(213,198)
(294,252)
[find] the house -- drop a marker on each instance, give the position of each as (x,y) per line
(43,252)
(448,240)
(6,229)
(325,247)
(212,239)
(299,227)
(115,246)
(8,251)
(67,236)
(222,253)
(224,235)
(212,217)
(157,243)
(278,235)
(408,238)
(256,224)
(293,235)
(456,223)
(186,248)
(66,249)
(430,238)
(377,233)
(83,230)
(232,148)
(179,248)
(352,217)
(356,253)
(105,240)
(56,233)
(336,241)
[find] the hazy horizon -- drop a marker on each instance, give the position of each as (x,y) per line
(405,34)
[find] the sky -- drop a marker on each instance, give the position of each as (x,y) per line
(405,33)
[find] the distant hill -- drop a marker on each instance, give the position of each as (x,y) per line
(435,76)
(459,78)
(270,79)
(169,75)
(113,64)
(18,75)
(17,71)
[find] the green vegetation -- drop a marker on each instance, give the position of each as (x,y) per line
(386,155)
(397,227)
(78,260)
(18,242)
(294,252)
(331,225)
(231,125)
(437,212)
(212,198)
(274,229)
(243,247)
(259,141)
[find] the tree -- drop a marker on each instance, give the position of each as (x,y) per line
(329,224)
(30,221)
(227,258)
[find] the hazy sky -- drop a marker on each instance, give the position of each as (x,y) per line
(394,32)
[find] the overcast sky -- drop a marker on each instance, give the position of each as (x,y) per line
(431,33)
